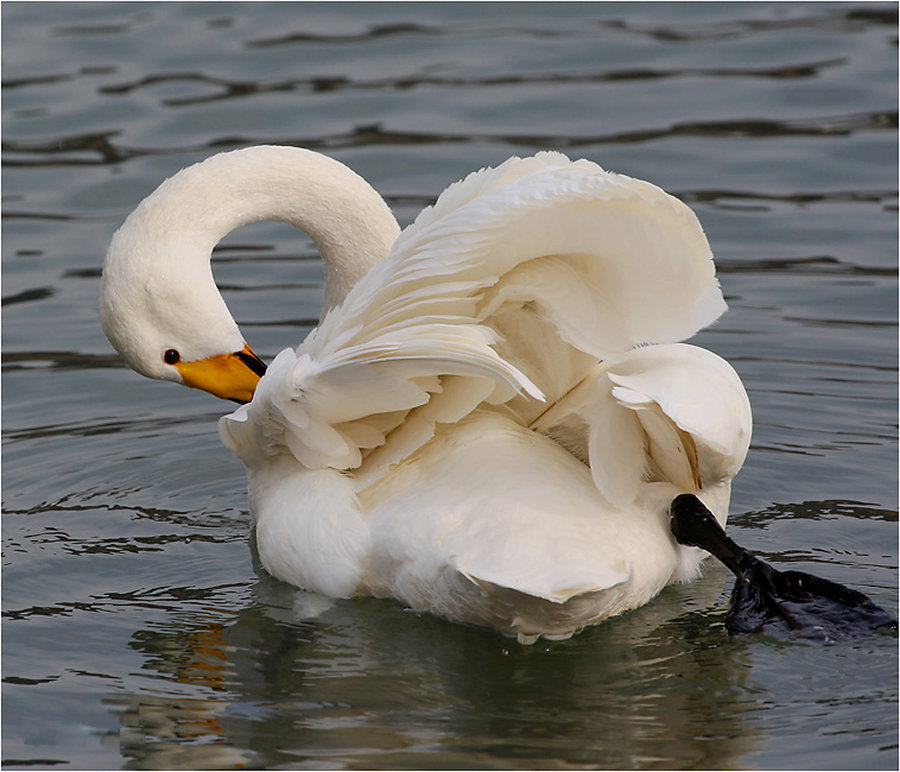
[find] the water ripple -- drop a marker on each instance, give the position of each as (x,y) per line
(125,522)
(814,265)
(843,21)
(92,149)
(229,89)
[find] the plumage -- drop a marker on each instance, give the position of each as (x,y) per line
(495,411)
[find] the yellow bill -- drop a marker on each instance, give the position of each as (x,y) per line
(229,376)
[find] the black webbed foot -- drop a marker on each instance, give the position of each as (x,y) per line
(767,600)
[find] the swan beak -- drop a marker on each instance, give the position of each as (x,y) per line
(229,376)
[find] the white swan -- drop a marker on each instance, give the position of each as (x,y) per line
(494,413)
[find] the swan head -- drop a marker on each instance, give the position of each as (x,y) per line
(159,304)
(162,312)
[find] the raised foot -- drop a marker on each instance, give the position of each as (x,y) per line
(780,602)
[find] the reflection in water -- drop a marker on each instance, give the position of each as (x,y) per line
(172,733)
(368,683)
(295,679)
(180,729)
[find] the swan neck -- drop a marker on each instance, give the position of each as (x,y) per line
(348,221)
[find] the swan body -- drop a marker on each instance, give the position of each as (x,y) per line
(495,411)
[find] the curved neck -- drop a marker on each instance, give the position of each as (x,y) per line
(350,224)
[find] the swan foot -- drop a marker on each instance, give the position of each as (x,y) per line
(777,602)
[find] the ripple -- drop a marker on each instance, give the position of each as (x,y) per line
(35,80)
(92,149)
(817,265)
(26,296)
(93,144)
(230,89)
(842,21)
(813,510)
(372,33)
(56,360)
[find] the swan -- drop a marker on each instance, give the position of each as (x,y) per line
(496,409)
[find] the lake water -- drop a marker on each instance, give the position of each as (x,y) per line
(138,630)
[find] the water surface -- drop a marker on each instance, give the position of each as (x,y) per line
(137,629)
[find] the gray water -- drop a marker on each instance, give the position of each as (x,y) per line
(138,630)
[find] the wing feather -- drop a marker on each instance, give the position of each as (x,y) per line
(671,412)
(589,263)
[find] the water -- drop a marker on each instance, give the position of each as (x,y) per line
(137,629)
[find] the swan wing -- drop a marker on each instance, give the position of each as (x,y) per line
(507,290)
(328,406)
(567,263)
(613,260)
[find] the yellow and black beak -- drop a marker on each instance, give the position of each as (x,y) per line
(228,376)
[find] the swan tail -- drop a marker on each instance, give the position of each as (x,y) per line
(701,397)
(674,413)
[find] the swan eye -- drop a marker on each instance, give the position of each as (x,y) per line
(171,357)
